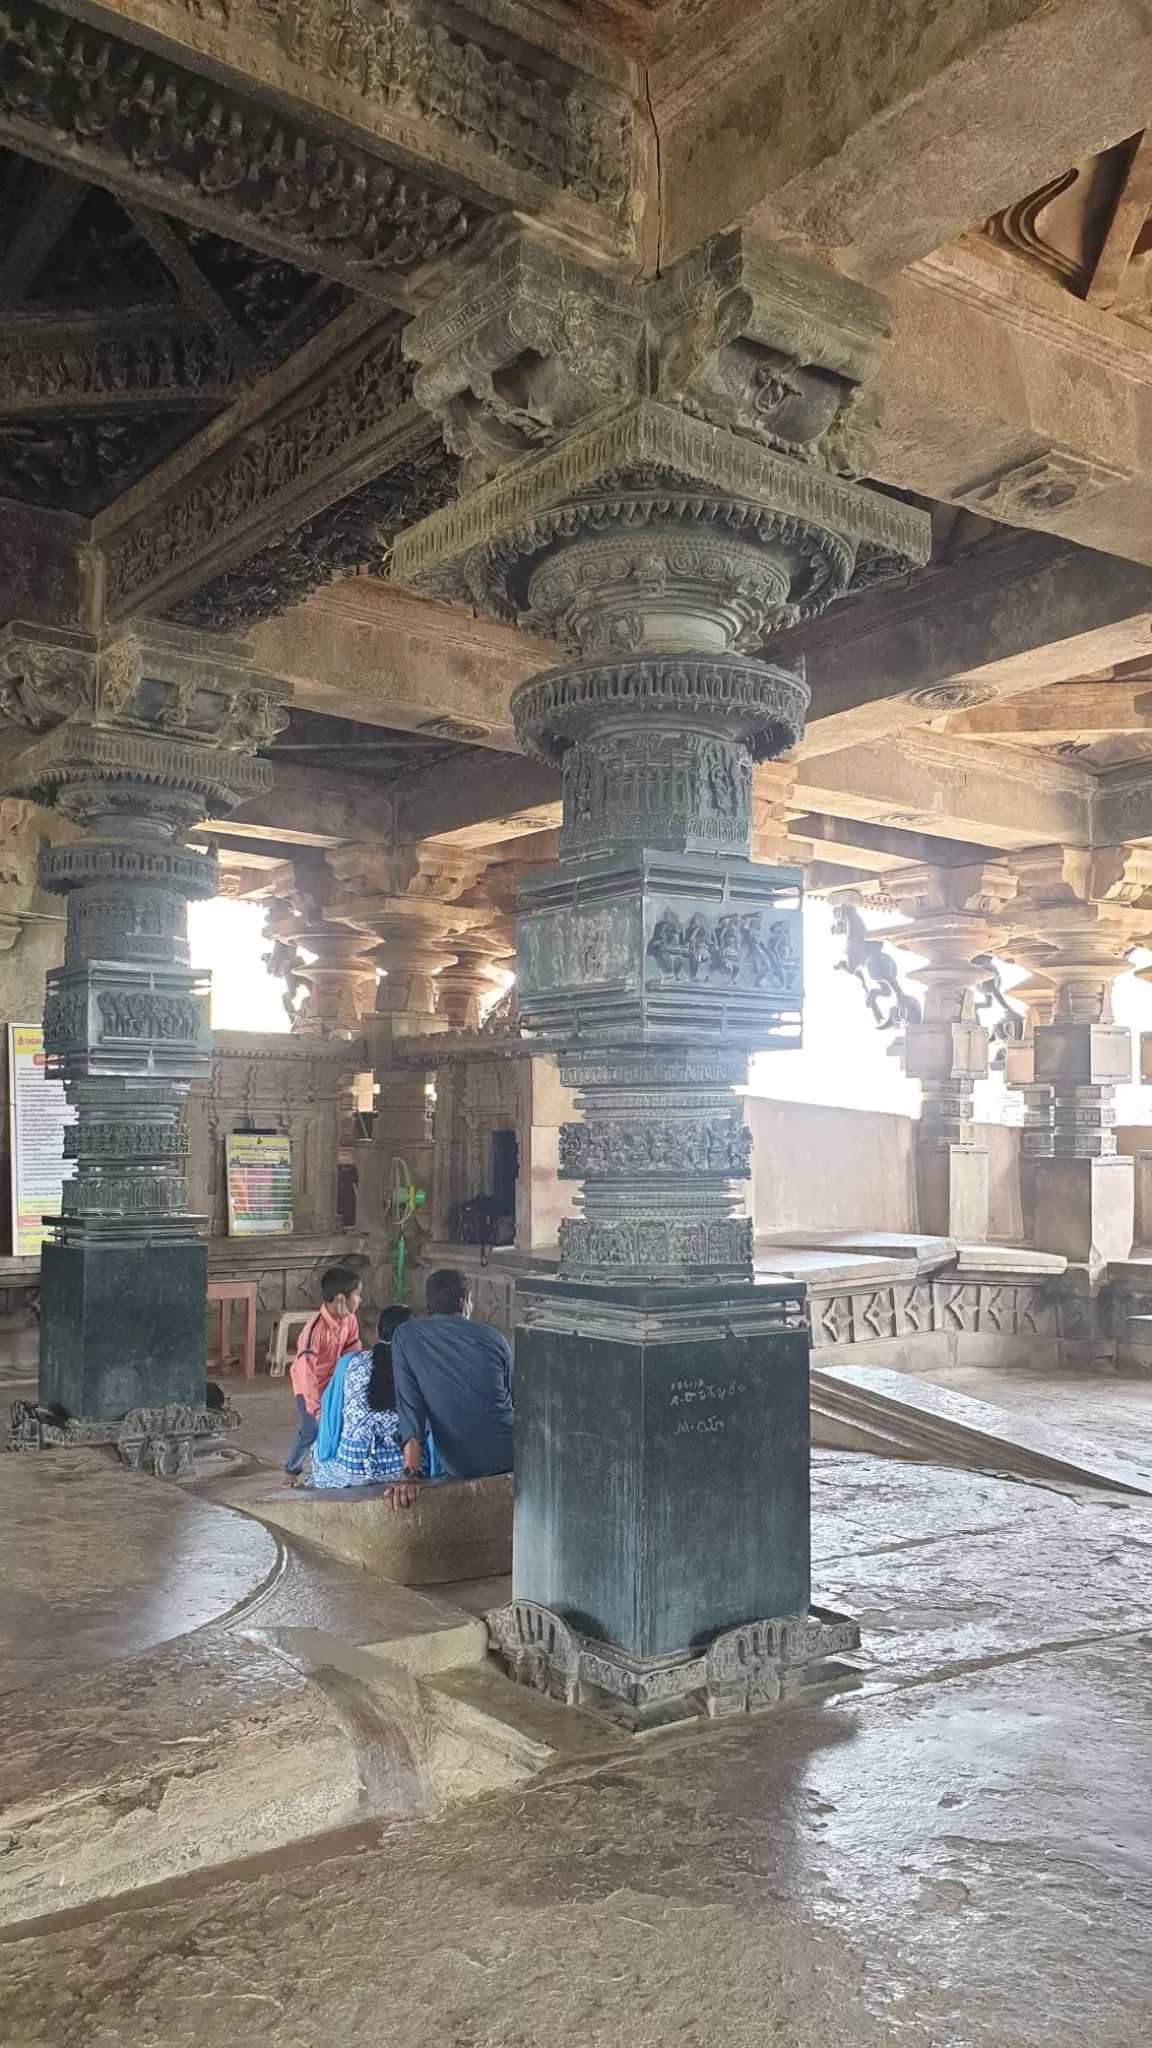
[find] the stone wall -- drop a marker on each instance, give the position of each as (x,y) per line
(818,1168)
(273,1081)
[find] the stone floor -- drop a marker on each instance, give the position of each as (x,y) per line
(956,1855)
(100,1563)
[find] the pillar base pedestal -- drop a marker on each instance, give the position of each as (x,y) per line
(124,1326)
(156,1440)
(1084,1208)
(952,1192)
(662,1446)
(743,1671)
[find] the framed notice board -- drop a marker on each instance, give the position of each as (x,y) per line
(38,1117)
(259,1184)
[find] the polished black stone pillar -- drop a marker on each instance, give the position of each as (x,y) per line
(660,499)
(155,730)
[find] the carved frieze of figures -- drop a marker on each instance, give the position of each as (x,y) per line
(124,1140)
(733,948)
(612,1145)
(65,1018)
(725,1241)
(406,60)
(355,533)
(655,786)
(355,400)
(109,366)
(143,1013)
(159,1192)
(867,957)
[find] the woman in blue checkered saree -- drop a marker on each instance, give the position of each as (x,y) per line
(358,1442)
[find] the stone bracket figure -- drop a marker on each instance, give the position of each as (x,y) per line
(1004,1025)
(867,957)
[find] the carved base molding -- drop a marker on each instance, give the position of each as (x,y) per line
(742,1671)
(921,1307)
(156,1440)
(1073,1325)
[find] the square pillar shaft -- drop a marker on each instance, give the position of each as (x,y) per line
(952,1192)
(123,1327)
(1084,1193)
(662,1441)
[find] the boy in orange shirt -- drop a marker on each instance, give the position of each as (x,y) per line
(332,1331)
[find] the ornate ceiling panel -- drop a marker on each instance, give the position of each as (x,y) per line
(121,332)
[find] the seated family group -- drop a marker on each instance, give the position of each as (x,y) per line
(432,1398)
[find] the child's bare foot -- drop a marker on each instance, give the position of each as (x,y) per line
(292,1479)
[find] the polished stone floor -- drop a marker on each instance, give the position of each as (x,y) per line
(956,1855)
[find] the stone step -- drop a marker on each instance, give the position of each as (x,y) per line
(929,1422)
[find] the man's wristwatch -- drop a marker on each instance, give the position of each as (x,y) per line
(406,1474)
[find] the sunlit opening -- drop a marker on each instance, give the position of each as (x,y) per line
(228,940)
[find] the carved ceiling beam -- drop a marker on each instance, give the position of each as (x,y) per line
(1017,400)
(140,360)
(433,87)
(855,841)
(479,798)
(1023,611)
(198,297)
(335,418)
(946,122)
(1064,712)
(1122,805)
(364,649)
(40,222)
(160,135)
(307,808)
(953,788)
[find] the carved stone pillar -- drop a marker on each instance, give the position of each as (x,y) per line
(467,989)
(946,1049)
(1082,918)
(333,966)
(140,736)
(1038,1000)
(413,934)
(662,1403)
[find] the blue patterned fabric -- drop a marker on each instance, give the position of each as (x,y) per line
(368,1449)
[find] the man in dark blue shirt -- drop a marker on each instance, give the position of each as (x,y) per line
(455,1377)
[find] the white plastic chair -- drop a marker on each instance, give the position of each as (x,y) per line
(282,1342)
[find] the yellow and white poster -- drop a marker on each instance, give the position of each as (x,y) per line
(38,1115)
(259,1184)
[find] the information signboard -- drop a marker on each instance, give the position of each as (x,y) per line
(38,1116)
(259,1184)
